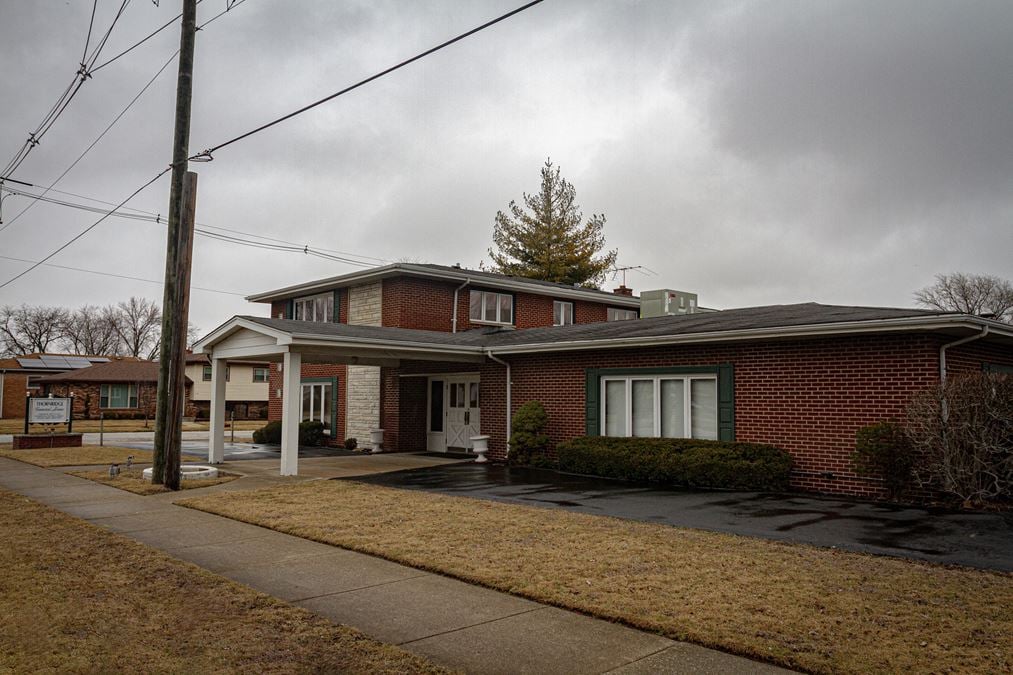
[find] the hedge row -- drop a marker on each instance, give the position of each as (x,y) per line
(310,433)
(678,461)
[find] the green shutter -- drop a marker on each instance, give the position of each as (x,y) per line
(290,309)
(726,402)
(591,406)
(337,305)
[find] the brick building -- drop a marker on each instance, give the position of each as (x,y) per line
(436,355)
(19,376)
(122,389)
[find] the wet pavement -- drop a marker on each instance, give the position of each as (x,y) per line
(983,540)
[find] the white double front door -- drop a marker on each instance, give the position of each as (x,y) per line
(454,412)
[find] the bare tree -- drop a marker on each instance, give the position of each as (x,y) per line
(971,294)
(93,330)
(27,329)
(140,323)
(964,432)
(192,335)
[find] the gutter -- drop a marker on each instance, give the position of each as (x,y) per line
(456,291)
(509,385)
(943,348)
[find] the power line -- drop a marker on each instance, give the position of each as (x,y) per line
(89,148)
(85,230)
(116,276)
(206,155)
(82,75)
(149,216)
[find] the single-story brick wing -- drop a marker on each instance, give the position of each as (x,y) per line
(804,377)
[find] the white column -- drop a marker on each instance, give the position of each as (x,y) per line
(216,444)
(290,418)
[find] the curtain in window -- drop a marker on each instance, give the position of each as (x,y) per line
(615,408)
(673,409)
(643,407)
(704,409)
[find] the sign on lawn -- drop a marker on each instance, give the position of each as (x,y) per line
(49,410)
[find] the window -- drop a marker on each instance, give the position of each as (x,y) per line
(661,406)
(615,314)
(318,404)
(562,313)
(118,396)
(259,374)
(206,374)
(318,308)
(489,307)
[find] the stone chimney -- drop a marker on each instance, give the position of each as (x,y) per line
(623,290)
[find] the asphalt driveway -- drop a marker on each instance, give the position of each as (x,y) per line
(983,540)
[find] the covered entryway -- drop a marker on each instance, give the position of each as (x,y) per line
(294,343)
(454,412)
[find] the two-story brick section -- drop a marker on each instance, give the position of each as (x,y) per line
(436,355)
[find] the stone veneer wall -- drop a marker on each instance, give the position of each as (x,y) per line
(365,308)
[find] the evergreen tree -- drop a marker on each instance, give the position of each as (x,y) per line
(547,240)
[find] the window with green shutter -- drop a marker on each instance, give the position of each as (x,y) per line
(672,402)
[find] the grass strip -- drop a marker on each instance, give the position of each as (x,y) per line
(77,456)
(133,480)
(799,606)
(77,598)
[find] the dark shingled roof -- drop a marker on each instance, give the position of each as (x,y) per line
(114,371)
(496,276)
(749,318)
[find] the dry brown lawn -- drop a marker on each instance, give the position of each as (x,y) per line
(81,456)
(77,598)
(132,480)
(17,426)
(795,605)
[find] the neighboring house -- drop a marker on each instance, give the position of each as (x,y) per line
(19,377)
(378,349)
(124,389)
(246,387)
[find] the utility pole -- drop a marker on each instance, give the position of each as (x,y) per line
(179,245)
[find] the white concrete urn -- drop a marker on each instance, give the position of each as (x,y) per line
(480,446)
(376,440)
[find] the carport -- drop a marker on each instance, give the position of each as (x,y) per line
(295,343)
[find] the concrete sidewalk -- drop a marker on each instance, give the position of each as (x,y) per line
(455,624)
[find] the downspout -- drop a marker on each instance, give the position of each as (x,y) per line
(456,291)
(509,384)
(3,376)
(942,351)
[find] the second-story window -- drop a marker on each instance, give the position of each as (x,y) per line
(206,374)
(318,308)
(259,374)
(562,313)
(489,307)
(615,314)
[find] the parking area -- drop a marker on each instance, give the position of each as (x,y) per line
(982,540)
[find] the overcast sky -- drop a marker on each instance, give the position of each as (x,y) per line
(751,152)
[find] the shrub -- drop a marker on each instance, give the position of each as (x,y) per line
(310,433)
(678,461)
(964,431)
(528,442)
(351,443)
(883,450)
(269,434)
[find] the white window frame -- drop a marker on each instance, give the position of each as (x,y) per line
(266,371)
(301,305)
(131,396)
(687,402)
(621,314)
(562,313)
(499,307)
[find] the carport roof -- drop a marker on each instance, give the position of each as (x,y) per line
(766,322)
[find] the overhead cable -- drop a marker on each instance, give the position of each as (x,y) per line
(206,155)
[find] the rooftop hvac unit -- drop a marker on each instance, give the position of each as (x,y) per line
(666,302)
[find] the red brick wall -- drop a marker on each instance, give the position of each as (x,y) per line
(428,304)
(971,357)
(88,397)
(14,396)
(808,397)
(309,370)
(279,309)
